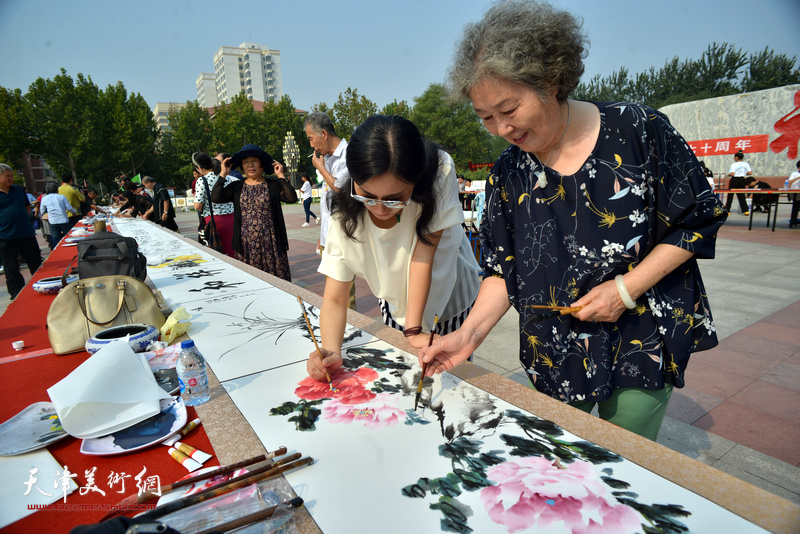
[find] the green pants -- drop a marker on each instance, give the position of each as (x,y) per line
(639,410)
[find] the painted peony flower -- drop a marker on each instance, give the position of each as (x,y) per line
(378,413)
(349,387)
(534,492)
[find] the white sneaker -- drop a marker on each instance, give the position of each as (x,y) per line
(304,224)
(318,220)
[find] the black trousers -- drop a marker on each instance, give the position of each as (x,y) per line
(737,182)
(10,250)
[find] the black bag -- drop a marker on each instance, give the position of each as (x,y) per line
(208,235)
(109,254)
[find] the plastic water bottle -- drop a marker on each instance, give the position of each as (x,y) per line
(786,185)
(192,375)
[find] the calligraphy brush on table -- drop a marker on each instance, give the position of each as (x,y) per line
(145,496)
(425,365)
(314,338)
(555,311)
(255,476)
(266,513)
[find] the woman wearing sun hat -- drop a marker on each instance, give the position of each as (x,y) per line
(259,232)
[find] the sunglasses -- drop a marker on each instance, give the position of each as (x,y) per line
(391,204)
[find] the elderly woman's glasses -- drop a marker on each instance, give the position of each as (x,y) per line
(391,204)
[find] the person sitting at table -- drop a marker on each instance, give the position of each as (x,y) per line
(760,202)
(397,224)
(259,231)
(600,206)
(794,178)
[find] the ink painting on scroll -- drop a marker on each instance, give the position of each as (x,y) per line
(467,462)
(252,331)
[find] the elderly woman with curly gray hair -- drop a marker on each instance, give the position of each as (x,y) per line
(597,206)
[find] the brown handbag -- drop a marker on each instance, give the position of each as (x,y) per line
(88,306)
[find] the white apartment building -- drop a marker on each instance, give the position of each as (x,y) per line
(250,68)
(207,90)
(162,110)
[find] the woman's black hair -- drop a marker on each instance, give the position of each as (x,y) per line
(389,144)
(202,160)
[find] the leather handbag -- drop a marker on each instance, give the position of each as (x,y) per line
(87,306)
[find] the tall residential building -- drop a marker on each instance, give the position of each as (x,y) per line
(249,68)
(206,90)
(162,110)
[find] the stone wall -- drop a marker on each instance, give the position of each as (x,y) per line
(746,114)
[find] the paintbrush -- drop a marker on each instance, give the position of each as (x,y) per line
(555,311)
(425,365)
(255,476)
(266,513)
(314,338)
(145,496)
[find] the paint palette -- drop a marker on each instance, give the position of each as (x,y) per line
(153,430)
(35,427)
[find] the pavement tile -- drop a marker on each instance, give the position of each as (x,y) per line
(757,463)
(786,375)
(715,381)
(759,430)
(787,316)
(776,400)
(774,332)
(687,405)
(795,359)
(693,442)
(750,364)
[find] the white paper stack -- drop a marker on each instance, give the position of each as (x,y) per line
(112,390)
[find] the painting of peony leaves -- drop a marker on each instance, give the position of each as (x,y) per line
(468,462)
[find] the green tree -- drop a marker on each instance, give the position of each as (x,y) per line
(767,69)
(12,137)
(131,131)
(350,110)
(721,70)
(452,124)
(396,108)
(60,118)
(190,130)
(279,118)
(238,124)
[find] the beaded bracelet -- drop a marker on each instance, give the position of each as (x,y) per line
(623,292)
(409,332)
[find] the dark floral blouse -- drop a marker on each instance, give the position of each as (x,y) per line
(642,186)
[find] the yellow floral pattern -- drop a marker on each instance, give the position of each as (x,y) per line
(641,187)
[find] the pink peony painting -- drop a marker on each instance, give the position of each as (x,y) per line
(534,492)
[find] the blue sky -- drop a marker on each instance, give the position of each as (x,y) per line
(385,50)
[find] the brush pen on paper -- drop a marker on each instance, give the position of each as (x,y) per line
(314,338)
(425,365)
(554,311)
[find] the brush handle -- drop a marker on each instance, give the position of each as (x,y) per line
(233,484)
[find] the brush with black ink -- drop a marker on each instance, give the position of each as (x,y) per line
(314,338)
(425,365)
(554,311)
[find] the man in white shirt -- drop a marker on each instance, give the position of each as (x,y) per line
(329,158)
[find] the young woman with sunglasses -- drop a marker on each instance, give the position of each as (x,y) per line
(398,225)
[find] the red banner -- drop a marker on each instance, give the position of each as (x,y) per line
(729,145)
(476,166)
